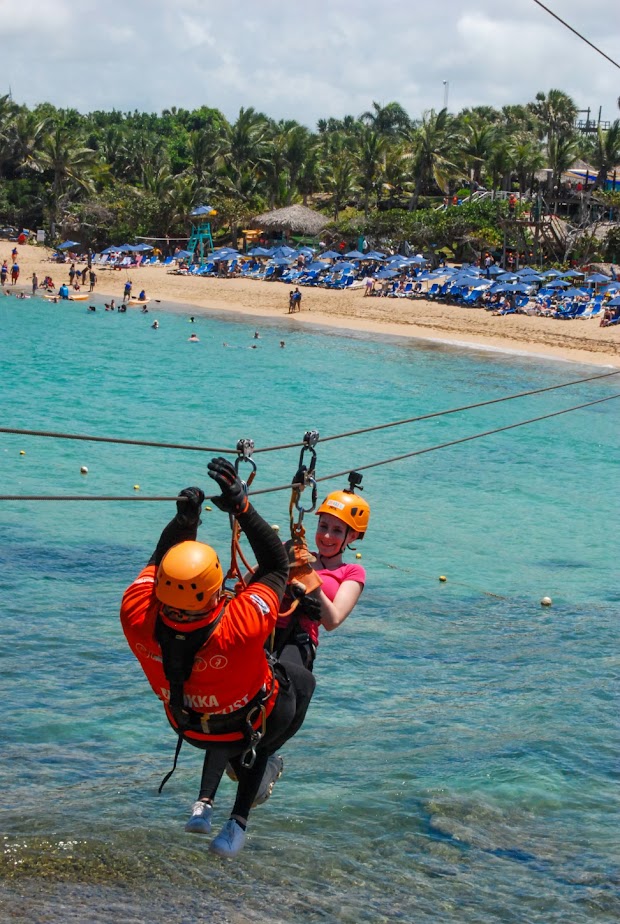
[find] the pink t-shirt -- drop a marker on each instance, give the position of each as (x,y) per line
(331,584)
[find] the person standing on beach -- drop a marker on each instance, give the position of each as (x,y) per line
(4,272)
(35,283)
(14,274)
(127,291)
(92,277)
(203,653)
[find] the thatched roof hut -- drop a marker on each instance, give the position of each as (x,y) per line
(295,218)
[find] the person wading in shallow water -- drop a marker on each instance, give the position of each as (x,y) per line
(203,653)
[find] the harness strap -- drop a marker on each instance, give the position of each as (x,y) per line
(174,764)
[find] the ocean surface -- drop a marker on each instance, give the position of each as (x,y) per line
(460,760)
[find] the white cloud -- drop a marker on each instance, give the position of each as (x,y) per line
(306,61)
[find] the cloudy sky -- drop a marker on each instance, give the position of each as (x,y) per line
(306,59)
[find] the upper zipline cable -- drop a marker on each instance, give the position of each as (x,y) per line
(359,468)
(578,34)
(325,439)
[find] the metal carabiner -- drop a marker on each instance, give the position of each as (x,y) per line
(245,448)
(311,438)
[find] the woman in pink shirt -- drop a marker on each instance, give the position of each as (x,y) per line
(343,518)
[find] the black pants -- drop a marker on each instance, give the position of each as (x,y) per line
(296,688)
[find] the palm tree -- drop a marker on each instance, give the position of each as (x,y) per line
(557,113)
(387,121)
(8,111)
(369,160)
(432,150)
(526,154)
(70,164)
(478,139)
(339,173)
(603,152)
(561,152)
(27,134)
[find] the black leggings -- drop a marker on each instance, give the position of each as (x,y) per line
(296,688)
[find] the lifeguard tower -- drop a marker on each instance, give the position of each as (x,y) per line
(200,240)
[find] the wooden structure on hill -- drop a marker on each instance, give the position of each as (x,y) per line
(538,234)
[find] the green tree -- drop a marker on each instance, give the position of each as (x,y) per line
(603,152)
(433,151)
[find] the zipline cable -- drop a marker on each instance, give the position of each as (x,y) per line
(325,439)
(578,34)
(359,468)
(110,439)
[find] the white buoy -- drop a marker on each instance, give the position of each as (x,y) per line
(84,470)
(22,452)
(275,527)
(358,554)
(208,508)
(136,487)
(546,601)
(443,578)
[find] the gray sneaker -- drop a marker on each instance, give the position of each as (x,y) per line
(230,841)
(200,822)
(273,772)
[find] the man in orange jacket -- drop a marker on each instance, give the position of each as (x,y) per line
(203,654)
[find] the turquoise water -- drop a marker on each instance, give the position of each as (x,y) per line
(460,760)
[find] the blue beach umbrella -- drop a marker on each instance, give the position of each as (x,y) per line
(572,292)
(183,254)
(259,252)
(342,267)
(612,287)
(142,248)
(558,284)
(202,210)
(355,255)
(68,245)
(572,274)
(418,259)
(614,303)
(280,261)
(374,255)
(598,277)
(552,273)
(386,274)
(317,266)
(330,255)
(112,249)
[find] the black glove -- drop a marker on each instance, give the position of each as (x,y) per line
(188,511)
(308,606)
(233,498)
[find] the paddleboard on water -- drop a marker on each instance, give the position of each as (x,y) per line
(72,298)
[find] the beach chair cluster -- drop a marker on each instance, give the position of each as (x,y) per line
(564,296)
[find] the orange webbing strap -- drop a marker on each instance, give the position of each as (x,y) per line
(234,572)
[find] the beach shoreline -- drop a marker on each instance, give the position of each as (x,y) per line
(348,311)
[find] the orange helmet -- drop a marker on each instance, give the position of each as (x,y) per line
(189,574)
(348,507)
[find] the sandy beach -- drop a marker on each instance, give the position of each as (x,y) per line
(577,341)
